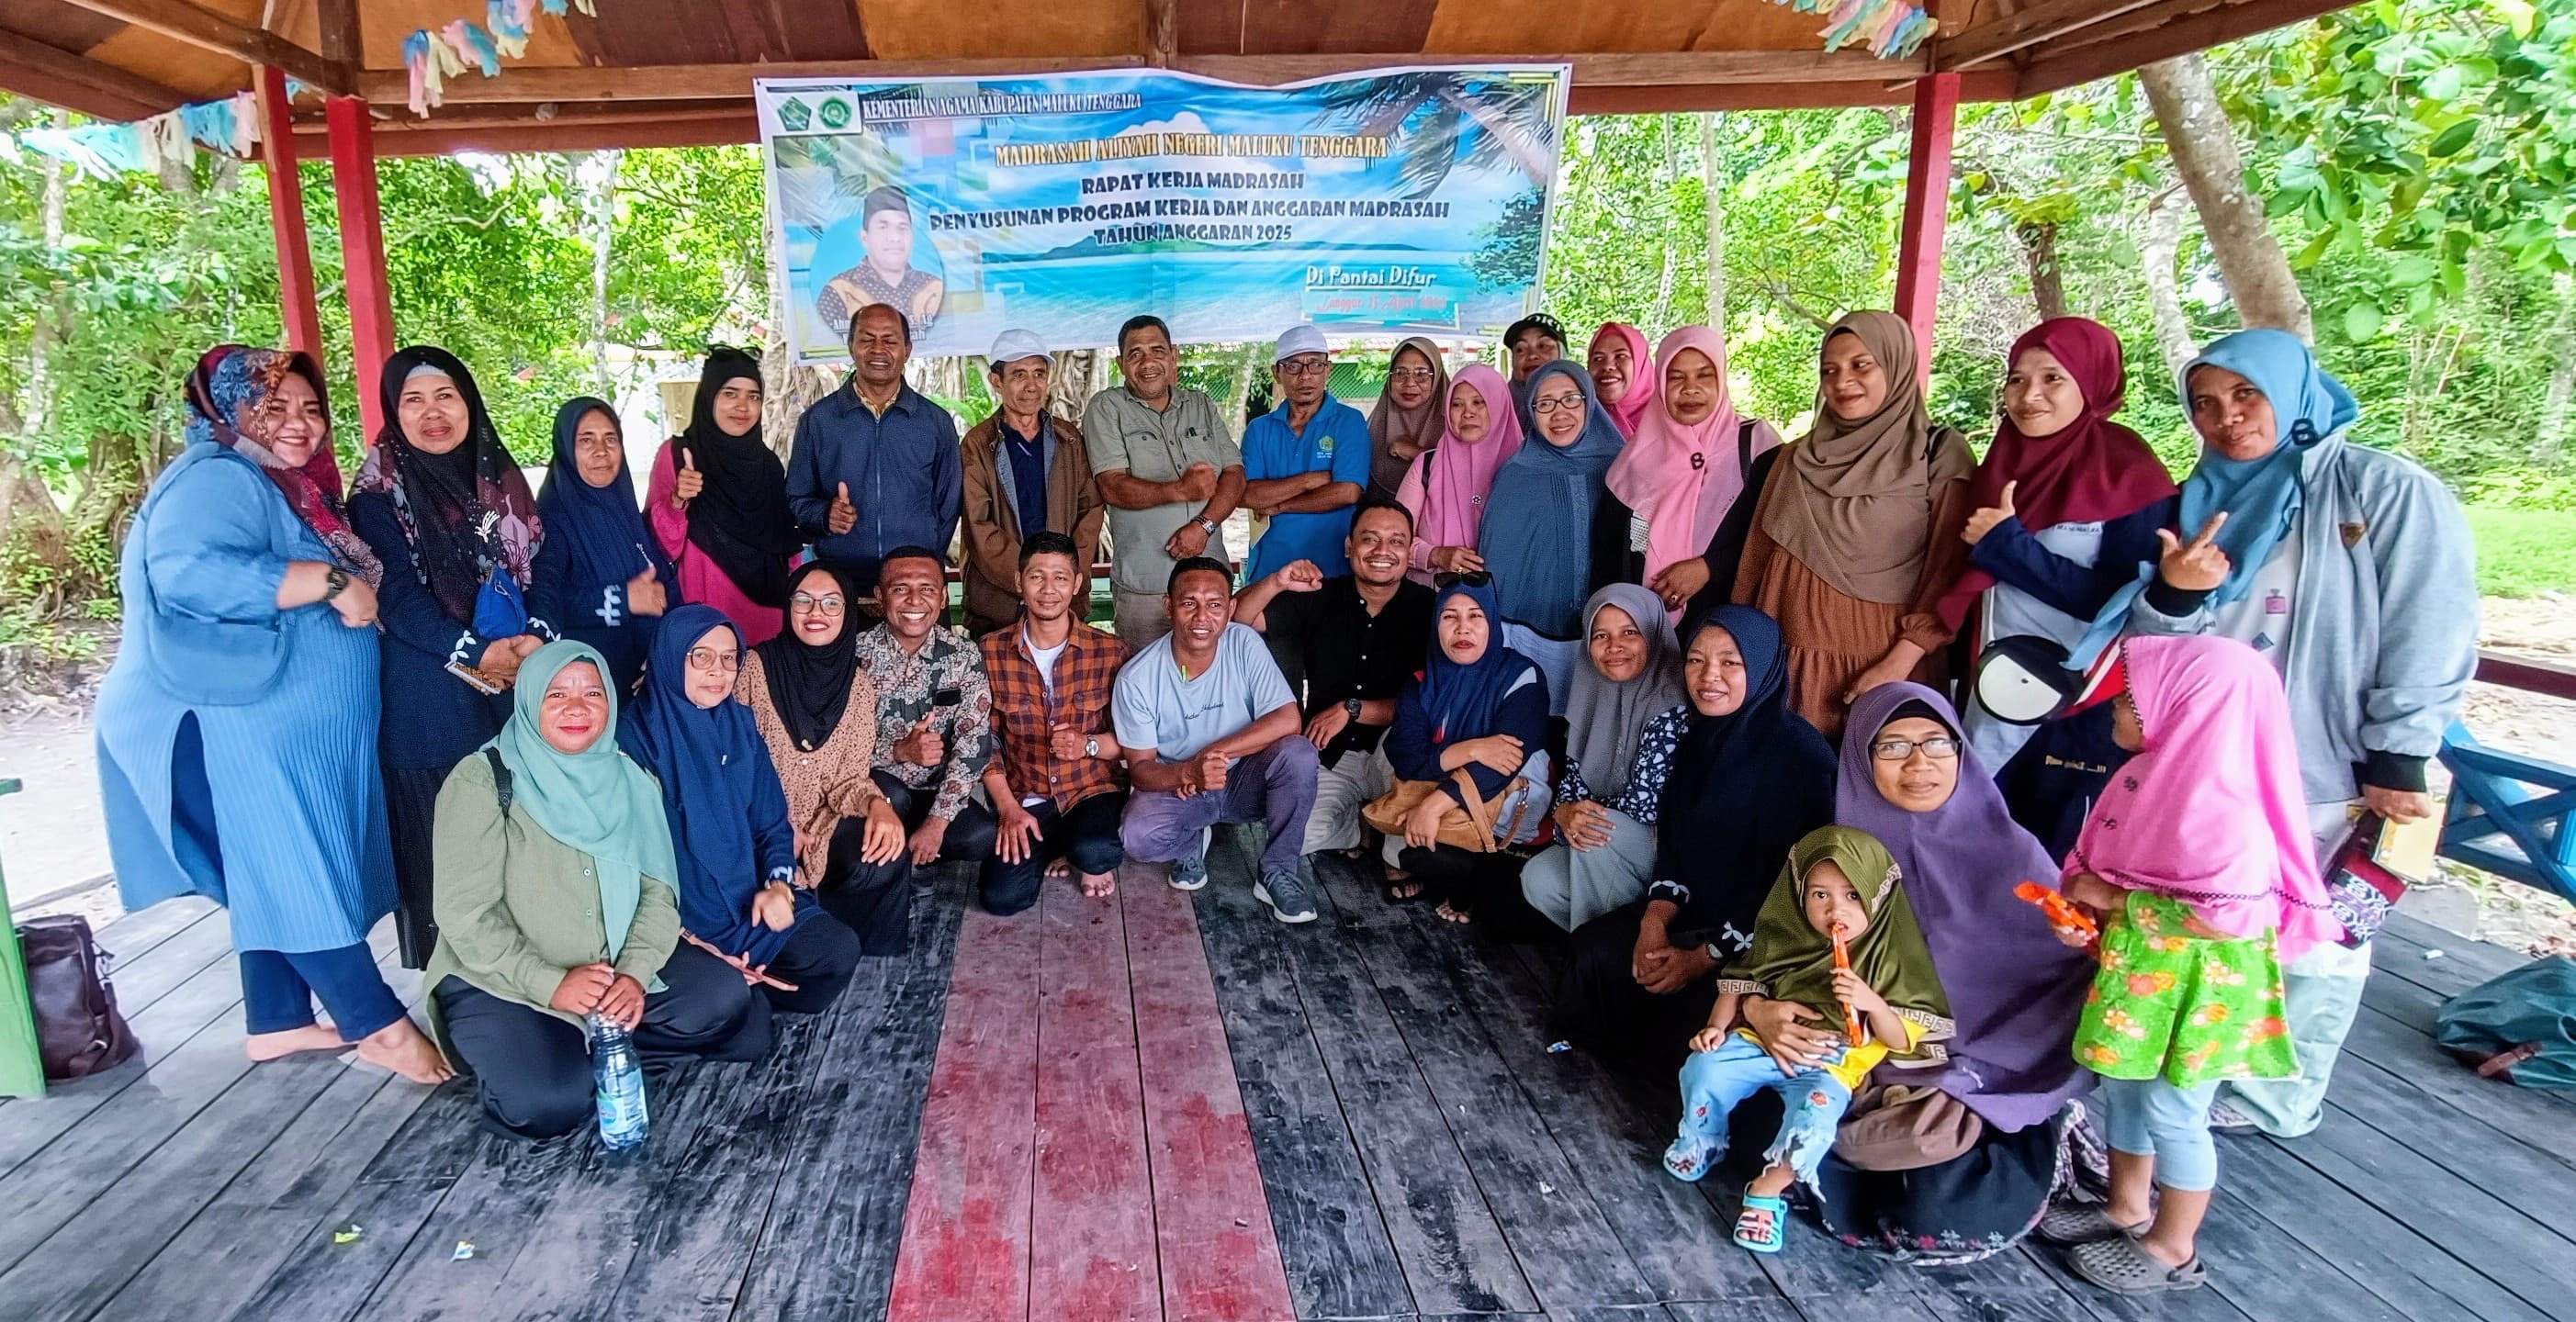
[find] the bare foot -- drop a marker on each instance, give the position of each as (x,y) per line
(311,1037)
(1099,886)
(401,1047)
(1453,915)
(1059,870)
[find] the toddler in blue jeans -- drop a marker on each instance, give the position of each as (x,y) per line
(1840,887)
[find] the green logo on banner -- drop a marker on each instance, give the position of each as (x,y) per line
(794,115)
(836,113)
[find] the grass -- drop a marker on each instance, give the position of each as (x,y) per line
(2524,552)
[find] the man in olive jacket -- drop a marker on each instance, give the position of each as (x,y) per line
(1025,471)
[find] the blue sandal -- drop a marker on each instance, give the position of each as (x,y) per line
(1750,1232)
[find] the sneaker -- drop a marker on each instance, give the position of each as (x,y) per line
(2228,1117)
(1189,872)
(1285,893)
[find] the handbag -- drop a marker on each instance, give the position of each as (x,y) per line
(79,1030)
(2359,888)
(2519,1025)
(1470,827)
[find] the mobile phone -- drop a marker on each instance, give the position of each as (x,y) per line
(947,698)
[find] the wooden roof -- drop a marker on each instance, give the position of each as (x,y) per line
(669,72)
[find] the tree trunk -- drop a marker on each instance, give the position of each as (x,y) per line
(1079,374)
(2562,376)
(2203,144)
(2039,250)
(1241,394)
(1712,192)
(39,406)
(2161,250)
(787,389)
(603,232)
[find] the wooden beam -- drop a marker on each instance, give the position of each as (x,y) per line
(207,30)
(286,216)
(75,82)
(702,82)
(2169,29)
(1977,85)
(362,252)
(1162,32)
(343,40)
(575,135)
(526,117)
(1927,209)
(2032,26)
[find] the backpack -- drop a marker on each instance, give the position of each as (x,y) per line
(2519,1026)
(79,1030)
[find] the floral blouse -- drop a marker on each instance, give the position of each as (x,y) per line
(1644,793)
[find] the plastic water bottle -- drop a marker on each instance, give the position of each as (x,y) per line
(617,1081)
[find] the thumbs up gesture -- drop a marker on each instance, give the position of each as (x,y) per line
(645,594)
(688,482)
(1984,520)
(844,515)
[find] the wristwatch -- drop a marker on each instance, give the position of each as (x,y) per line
(1353,707)
(334,582)
(1091,746)
(1206,525)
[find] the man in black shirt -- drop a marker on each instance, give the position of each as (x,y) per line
(1347,646)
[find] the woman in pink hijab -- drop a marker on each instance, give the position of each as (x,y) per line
(1689,460)
(1447,484)
(1622,373)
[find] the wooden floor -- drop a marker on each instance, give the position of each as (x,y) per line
(1167,1107)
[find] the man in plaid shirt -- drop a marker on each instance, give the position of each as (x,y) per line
(1056,785)
(934,712)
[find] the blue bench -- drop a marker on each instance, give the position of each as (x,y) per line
(2510,814)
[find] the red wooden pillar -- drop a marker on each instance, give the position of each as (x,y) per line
(1927,207)
(362,250)
(286,215)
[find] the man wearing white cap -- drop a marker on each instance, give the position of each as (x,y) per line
(1305,463)
(1026,473)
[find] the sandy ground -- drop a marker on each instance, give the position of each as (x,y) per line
(54,845)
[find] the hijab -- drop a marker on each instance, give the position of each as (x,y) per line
(1461,700)
(1419,428)
(597,801)
(229,384)
(2262,496)
(2014,990)
(741,520)
(1603,716)
(2211,812)
(1455,489)
(1537,534)
(1857,511)
(1792,961)
(467,513)
(1744,786)
(1682,477)
(1631,407)
(809,685)
(703,757)
(601,526)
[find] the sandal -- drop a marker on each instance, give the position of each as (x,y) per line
(1688,1158)
(2081,1223)
(1754,1233)
(2119,1264)
(1393,891)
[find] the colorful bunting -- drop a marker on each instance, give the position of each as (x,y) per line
(1889,28)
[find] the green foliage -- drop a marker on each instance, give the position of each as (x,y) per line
(2524,553)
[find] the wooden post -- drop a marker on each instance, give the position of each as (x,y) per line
(362,251)
(286,215)
(1927,207)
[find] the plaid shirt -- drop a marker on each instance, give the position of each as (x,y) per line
(1024,716)
(905,687)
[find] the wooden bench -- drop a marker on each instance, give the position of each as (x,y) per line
(2509,813)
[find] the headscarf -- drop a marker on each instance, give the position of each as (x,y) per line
(1682,478)
(1791,961)
(602,527)
(810,685)
(467,512)
(1420,427)
(741,519)
(2015,991)
(229,382)
(1629,409)
(597,801)
(1537,535)
(2262,496)
(1461,700)
(1858,508)
(1603,717)
(1743,786)
(703,758)
(2211,812)
(1455,491)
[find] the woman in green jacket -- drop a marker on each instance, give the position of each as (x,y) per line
(555,906)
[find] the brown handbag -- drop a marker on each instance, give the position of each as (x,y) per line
(79,1030)
(1470,827)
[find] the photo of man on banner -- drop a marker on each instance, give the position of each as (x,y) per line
(886,275)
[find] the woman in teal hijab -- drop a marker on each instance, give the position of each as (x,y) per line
(555,908)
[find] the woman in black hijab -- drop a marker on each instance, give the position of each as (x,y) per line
(718,501)
(600,578)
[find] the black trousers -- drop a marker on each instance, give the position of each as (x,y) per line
(1087,836)
(820,955)
(1600,1006)
(970,832)
(411,800)
(872,900)
(532,1070)
(1484,886)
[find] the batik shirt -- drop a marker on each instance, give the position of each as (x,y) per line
(910,687)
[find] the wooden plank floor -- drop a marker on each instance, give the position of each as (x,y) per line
(1163,1107)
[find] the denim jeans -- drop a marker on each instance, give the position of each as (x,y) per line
(1714,1082)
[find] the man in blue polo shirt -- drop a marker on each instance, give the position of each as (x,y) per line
(875,466)
(1305,463)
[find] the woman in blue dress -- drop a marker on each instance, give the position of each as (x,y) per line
(236,731)
(600,577)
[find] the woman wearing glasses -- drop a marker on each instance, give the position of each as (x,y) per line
(1552,532)
(817,713)
(1408,418)
(730,833)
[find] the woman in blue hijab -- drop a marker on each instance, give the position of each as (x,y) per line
(600,577)
(2351,570)
(1552,532)
(736,851)
(1479,709)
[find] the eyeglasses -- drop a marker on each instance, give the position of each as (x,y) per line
(806,601)
(707,658)
(1306,366)
(1556,403)
(1473,578)
(1939,748)
(1412,374)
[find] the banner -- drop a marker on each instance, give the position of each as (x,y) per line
(1396,202)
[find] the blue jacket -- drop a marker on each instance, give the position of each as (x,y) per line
(903,472)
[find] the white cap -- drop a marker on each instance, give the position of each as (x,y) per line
(1013,345)
(1304,337)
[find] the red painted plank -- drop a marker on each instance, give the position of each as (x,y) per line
(1927,209)
(1220,1258)
(362,254)
(965,1254)
(1091,1251)
(286,217)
